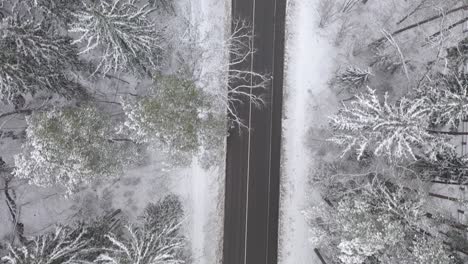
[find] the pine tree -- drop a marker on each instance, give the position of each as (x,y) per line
(394,131)
(58,12)
(166,212)
(123,33)
(352,78)
(71,147)
(64,245)
(448,94)
(35,58)
(380,222)
(143,246)
(170,115)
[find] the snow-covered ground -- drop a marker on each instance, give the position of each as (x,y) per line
(307,102)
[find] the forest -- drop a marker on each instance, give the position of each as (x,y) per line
(92,92)
(392,168)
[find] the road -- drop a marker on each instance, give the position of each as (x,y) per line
(253,156)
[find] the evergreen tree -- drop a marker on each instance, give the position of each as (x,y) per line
(171,115)
(58,12)
(123,33)
(381,222)
(394,131)
(448,96)
(139,245)
(71,147)
(64,245)
(35,58)
(166,212)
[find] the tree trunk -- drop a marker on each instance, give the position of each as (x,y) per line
(452,133)
(399,31)
(444,197)
(317,252)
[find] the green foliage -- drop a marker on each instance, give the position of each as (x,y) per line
(71,147)
(170,115)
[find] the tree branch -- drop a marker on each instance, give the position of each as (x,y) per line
(452,133)
(20,111)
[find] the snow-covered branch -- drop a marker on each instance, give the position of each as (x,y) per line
(143,246)
(34,58)
(392,130)
(122,32)
(65,245)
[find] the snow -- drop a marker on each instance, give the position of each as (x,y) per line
(307,101)
(203,189)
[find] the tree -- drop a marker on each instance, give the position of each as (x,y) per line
(244,84)
(365,234)
(123,33)
(381,222)
(352,78)
(71,147)
(166,212)
(140,245)
(58,12)
(447,91)
(394,131)
(448,99)
(64,245)
(170,115)
(35,58)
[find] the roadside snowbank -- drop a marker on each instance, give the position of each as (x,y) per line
(307,102)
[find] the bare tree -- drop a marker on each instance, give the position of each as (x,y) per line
(245,85)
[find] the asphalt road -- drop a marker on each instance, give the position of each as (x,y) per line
(253,156)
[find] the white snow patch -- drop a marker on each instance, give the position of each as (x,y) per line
(307,101)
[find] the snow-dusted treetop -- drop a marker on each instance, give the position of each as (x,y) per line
(122,32)
(71,147)
(170,115)
(394,131)
(35,58)
(64,245)
(448,95)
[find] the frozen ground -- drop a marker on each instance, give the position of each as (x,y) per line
(307,100)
